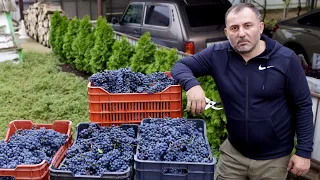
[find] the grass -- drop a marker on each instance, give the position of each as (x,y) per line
(37,90)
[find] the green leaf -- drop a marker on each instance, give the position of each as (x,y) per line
(68,38)
(82,44)
(164,59)
(58,41)
(100,151)
(54,24)
(122,51)
(210,130)
(102,48)
(144,54)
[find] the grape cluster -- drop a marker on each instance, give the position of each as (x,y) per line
(101,149)
(7,178)
(30,146)
(124,80)
(175,171)
(172,139)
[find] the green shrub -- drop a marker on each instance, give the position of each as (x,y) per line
(69,37)
(89,41)
(122,51)
(36,89)
(144,54)
(82,43)
(164,59)
(54,24)
(58,41)
(102,50)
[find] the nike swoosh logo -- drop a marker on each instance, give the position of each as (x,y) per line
(263,68)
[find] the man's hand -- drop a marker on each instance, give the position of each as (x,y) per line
(298,165)
(196,100)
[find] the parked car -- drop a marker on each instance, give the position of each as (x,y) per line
(188,25)
(302,35)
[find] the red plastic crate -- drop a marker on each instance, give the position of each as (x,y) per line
(130,108)
(38,171)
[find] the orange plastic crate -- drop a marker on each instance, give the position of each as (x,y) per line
(38,171)
(130,108)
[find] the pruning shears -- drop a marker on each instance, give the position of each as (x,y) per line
(212,104)
(209,104)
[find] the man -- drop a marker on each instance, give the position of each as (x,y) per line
(265,96)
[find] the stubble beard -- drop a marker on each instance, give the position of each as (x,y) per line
(247,48)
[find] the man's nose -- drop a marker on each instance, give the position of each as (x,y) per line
(242,33)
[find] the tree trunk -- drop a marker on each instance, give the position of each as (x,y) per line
(299,7)
(286,8)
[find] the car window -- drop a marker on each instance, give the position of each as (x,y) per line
(157,15)
(311,20)
(133,14)
(198,17)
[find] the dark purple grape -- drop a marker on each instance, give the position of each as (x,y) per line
(124,80)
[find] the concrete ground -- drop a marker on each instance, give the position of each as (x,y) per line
(30,45)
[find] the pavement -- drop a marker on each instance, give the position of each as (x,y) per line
(27,43)
(30,45)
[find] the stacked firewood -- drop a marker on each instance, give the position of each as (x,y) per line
(37,21)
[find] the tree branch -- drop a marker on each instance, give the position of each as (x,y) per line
(263,7)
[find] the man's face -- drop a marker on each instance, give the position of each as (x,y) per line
(243,29)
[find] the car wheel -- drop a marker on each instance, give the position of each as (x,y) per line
(300,53)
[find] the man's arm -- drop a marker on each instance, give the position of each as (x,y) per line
(185,72)
(300,96)
(187,69)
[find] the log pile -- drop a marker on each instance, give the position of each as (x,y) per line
(7,5)
(37,21)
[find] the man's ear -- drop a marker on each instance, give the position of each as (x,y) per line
(261,27)
(225,31)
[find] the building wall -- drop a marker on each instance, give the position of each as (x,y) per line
(4,22)
(275,4)
(80,8)
(110,8)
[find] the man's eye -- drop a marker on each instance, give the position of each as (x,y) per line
(248,25)
(234,28)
